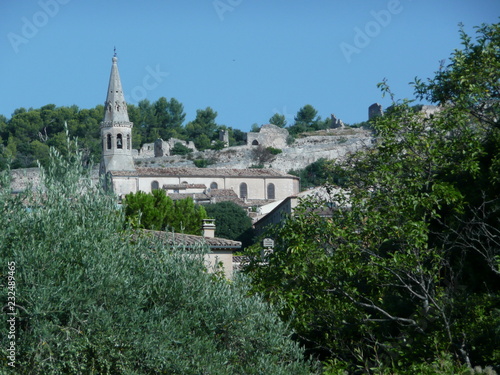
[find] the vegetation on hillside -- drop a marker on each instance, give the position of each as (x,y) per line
(26,137)
(319,173)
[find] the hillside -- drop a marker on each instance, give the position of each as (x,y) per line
(329,144)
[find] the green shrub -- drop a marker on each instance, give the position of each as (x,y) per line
(180,149)
(274,151)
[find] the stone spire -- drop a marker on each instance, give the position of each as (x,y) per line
(116,107)
(116,128)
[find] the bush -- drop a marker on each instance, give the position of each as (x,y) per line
(203,163)
(92,298)
(274,151)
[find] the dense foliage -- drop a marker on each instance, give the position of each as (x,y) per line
(27,136)
(231,222)
(403,275)
(92,298)
(157,211)
(318,173)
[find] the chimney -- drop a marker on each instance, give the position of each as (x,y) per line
(208,228)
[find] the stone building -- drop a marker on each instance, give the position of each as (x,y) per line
(268,136)
(117,162)
(248,184)
(220,250)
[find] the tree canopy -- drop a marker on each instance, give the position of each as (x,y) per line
(403,275)
(157,211)
(231,221)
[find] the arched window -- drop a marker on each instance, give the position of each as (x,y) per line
(108,141)
(155,185)
(119,141)
(214,185)
(255,142)
(128,141)
(270,191)
(243,190)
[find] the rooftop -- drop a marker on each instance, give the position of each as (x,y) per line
(191,240)
(203,172)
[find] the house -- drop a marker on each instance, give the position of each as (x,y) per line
(220,250)
(274,213)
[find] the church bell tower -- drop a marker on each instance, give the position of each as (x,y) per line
(116,129)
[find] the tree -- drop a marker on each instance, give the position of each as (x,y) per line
(236,137)
(255,128)
(231,221)
(91,297)
(306,120)
(180,149)
(170,116)
(202,142)
(278,120)
(188,216)
(406,266)
(157,211)
(148,211)
(306,115)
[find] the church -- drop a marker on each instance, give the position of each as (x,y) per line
(117,163)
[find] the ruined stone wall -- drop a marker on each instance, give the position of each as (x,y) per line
(147,150)
(160,148)
(268,136)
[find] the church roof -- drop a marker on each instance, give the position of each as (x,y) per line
(203,172)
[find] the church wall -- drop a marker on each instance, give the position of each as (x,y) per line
(145,182)
(124,185)
(257,187)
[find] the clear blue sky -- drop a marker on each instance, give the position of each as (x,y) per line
(246,59)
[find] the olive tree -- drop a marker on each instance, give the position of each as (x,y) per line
(93,298)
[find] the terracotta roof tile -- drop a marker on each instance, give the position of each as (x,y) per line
(190,240)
